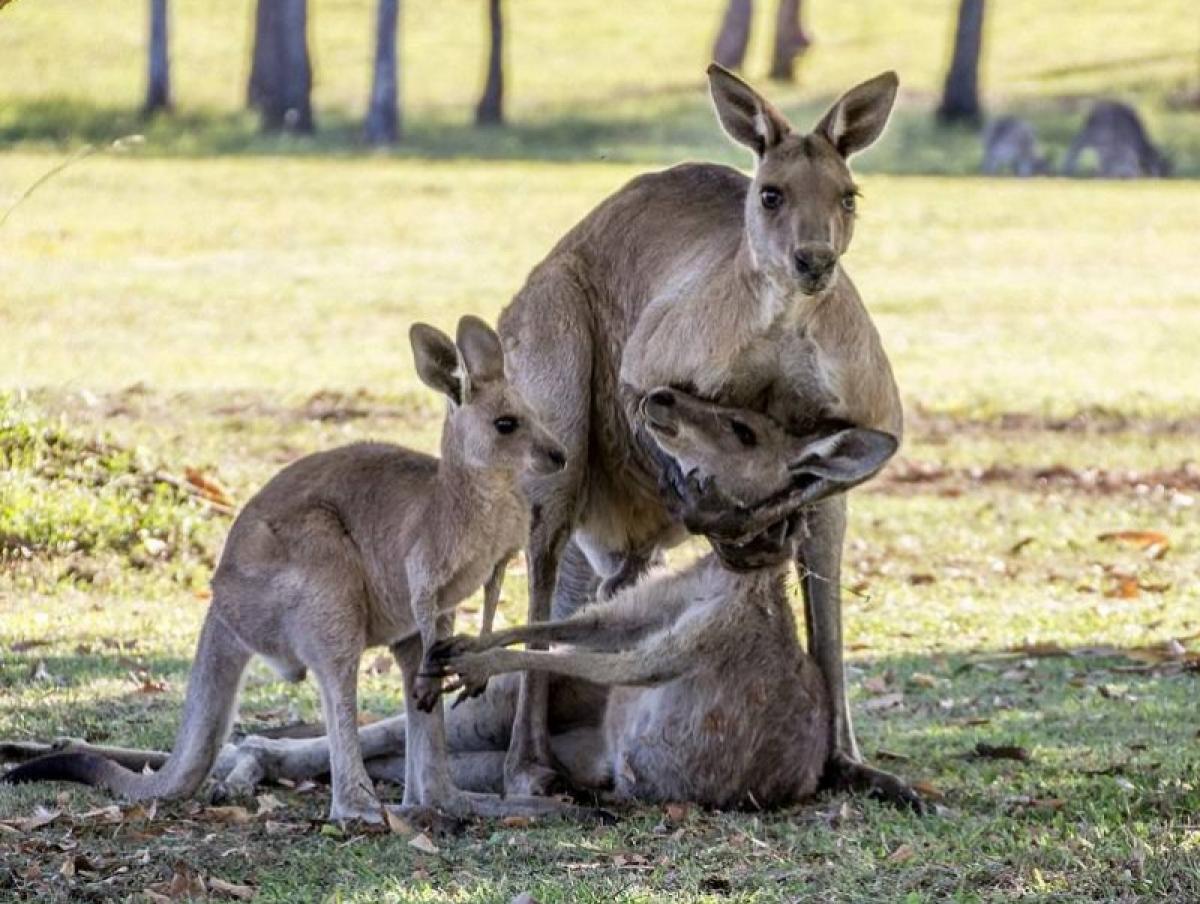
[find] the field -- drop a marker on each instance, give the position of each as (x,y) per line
(221,302)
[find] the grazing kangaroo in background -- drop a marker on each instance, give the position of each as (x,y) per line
(1124,150)
(714,701)
(728,271)
(366,545)
(1010,146)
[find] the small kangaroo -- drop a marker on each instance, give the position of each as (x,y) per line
(367,545)
(724,285)
(1010,146)
(1124,150)
(713,701)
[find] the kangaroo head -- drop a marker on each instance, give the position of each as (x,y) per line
(489,425)
(801,204)
(750,458)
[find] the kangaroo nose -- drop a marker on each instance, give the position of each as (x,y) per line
(813,263)
(663,397)
(557,457)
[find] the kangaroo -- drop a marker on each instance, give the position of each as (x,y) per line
(370,544)
(713,700)
(698,277)
(1115,131)
(1010,146)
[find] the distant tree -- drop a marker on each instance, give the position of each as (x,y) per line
(280,72)
(383,111)
(960,97)
(733,37)
(158,81)
(791,40)
(490,109)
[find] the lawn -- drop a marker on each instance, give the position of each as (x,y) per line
(216,302)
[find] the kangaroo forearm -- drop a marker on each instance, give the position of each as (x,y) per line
(634,668)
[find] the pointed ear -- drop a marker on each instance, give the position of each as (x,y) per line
(858,118)
(841,460)
(437,360)
(746,116)
(480,349)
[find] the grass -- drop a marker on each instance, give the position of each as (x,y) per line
(216,302)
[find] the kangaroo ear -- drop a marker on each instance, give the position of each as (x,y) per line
(836,462)
(746,116)
(438,363)
(480,349)
(858,118)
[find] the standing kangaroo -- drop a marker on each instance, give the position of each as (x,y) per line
(713,700)
(370,544)
(702,278)
(1124,150)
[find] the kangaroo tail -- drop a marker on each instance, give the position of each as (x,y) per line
(208,710)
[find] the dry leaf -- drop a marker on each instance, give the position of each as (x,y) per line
(515,822)
(1145,539)
(209,488)
(1126,588)
(902,853)
(232,889)
(921,679)
(41,817)
(677,812)
(929,791)
(920,579)
(1039,649)
(110,814)
(524,898)
(1002,752)
(228,815)
(422,843)
(268,803)
(876,684)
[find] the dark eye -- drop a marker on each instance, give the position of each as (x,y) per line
(506,425)
(772,198)
(849,202)
(745,435)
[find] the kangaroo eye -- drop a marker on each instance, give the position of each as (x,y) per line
(772,198)
(849,202)
(506,425)
(744,433)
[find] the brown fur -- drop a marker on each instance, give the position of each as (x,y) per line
(683,278)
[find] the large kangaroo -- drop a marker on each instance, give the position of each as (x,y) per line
(1124,150)
(726,270)
(713,699)
(366,545)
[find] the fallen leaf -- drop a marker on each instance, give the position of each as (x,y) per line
(1019,545)
(902,853)
(422,843)
(110,814)
(921,579)
(524,898)
(209,488)
(921,679)
(1144,539)
(232,889)
(228,815)
(41,818)
(929,791)
(677,812)
(876,684)
(268,803)
(515,822)
(1002,752)
(1126,588)
(1039,649)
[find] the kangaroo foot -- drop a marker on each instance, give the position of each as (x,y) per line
(356,807)
(846,773)
(530,779)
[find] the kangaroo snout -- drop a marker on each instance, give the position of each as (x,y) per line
(814,265)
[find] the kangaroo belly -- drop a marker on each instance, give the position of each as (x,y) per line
(721,739)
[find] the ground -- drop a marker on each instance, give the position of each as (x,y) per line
(183,317)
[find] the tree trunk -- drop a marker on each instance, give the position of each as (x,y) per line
(280,85)
(490,109)
(158,81)
(730,47)
(960,98)
(383,112)
(791,40)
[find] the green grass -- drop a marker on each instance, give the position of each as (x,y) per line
(219,301)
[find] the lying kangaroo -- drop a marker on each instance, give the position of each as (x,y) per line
(727,269)
(1115,131)
(366,545)
(1010,146)
(713,700)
